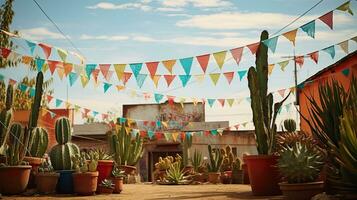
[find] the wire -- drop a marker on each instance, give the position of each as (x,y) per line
(59,30)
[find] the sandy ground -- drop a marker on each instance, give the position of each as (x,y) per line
(160,192)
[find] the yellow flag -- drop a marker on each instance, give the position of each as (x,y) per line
(291,35)
(215,77)
(230,102)
(270,68)
(220,57)
(182,100)
(60,73)
(169,64)
(200,78)
(45,68)
(84,80)
(293,89)
(26,60)
(120,87)
(43,112)
(174,136)
(164,124)
(155,79)
(68,105)
(283,64)
(119,70)
(344,46)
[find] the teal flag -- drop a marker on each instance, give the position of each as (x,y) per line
(214,132)
(122,120)
(95,113)
(32,92)
(31,45)
(58,102)
(106,86)
(188,135)
(136,68)
(158,124)
(330,50)
(211,102)
(309,29)
(150,134)
(2,77)
(346,72)
(271,43)
(186,64)
(72,78)
(22,87)
(242,74)
(89,69)
(158,97)
(184,79)
(140,79)
(39,64)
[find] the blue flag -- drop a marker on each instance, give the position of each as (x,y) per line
(140,79)
(136,68)
(242,74)
(32,92)
(22,87)
(211,102)
(184,79)
(330,50)
(158,97)
(271,43)
(72,78)
(89,69)
(309,29)
(39,64)
(106,86)
(58,102)
(186,64)
(31,45)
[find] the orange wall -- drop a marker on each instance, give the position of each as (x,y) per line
(311,89)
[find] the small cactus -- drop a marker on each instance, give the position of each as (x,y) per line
(290,125)
(39,142)
(6,118)
(63,130)
(215,160)
(15,152)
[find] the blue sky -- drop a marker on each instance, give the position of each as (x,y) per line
(154,30)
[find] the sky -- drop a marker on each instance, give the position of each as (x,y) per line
(155,30)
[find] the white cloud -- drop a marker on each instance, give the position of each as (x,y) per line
(40,33)
(196,3)
(169,9)
(104,37)
(178,15)
(111,6)
(144,39)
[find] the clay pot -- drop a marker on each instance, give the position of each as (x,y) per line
(118,184)
(237,177)
(301,191)
(226,177)
(46,182)
(14,179)
(105,190)
(245,174)
(35,162)
(213,177)
(85,183)
(263,174)
(129,170)
(104,169)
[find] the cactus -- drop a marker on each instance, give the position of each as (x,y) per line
(15,153)
(62,153)
(63,130)
(38,142)
(196,160)
(37,102)
(216,159)
(187,143)
(6,118)
(264,115)
(290,125)
(228,159)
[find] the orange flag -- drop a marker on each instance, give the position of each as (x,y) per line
(229,76)
(152,67)
(169,64)
(253,47)
(314,56)
(67,68)
(46,49)
(155,79)
(169,79)
(104,68)
(203,61)
(291,35)
(126,77)
(237,54)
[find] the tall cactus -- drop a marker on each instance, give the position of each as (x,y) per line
(16,152)
(37,102)
(39,142)
(215,159)
(61,153)
(186,147)
(264,115)
(5,118)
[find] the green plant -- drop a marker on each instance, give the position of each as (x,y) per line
(290,125)
(117,173)
(61,153)
(38,142)
(186,146)
(215,159)
(290,138)
(237,164)
(125,150)
(85,163)
(300,163)
(175,174)
(107,183)
(228,159)
(5,118)
(101,153)
(18,140)
(165,163)
(196,160)
(264,115)
(46,167)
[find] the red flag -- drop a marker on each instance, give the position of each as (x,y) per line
(104,68)
(299,60)
(170,99)
(95,74)
(49,98)
(158,135)
(237,54)
(314,56)
(229,76)
(253,47)
(221,101)
(52,65)
(203,61)
(46,49)
(169,79)
(207,133)
(142,133)
(5,52)
(152,67)
(183,136)
(126,77)
(146,123)
(327,19)
(152,123)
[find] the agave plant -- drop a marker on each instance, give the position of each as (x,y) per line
(197,160)
(107,183)
(174,174)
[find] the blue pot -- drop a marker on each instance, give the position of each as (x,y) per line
(65,182)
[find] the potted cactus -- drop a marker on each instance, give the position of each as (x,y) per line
(237,171)
(85,178)
(106,187)
(105,164)
(6,116)
(61,154)
(263,175)
(117,178)
(214,165)
(46,178)
(197,163)
(227,165)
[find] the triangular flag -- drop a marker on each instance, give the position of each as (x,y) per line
(211,102)
(44,112)
(46,49)
(253,47)
(215,77)
(136,68)
(152,67)
(283,64)
(346,72)
(72,78)
(79,69)
(155,79)
(62,54)
(120,87)
(32,92)
(158,135)
(84,81)
(345,7)
(293,90)
(184,79)
(109,75)
(287,107)
(291,35)
(119,70)
(167,136)
(26,60)
(282,92)
(52,115)
(344,46)
(174,136)
(309,28)
(126,77)
(31,45)
(271,43)
(49,98)
(230,102)
(52,65)
(203,61)
(221,101)
(327,19)
(229,76)
(237,54)
(140,79)
(199,78)
(95,74)
(22,87)
(58,102)
(220,58)
(104,68)
(214,132)
(60,73)
(169,79)
(106,86)
(67,68)
(270,68)
(39,64)
(299,60)
(242,74)
(89,69)
(158,97)
(330,50)
(169,64)
(186,64)
(314,56)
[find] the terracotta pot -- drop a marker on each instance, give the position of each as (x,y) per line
(104,169)
(226,177)
(245,174)
(301,191)
(213,177)
(105,190)
(35,162)
(237,177)
(129,170)
(46,182)
(118,185)
(85,183)
(263,174)
(14,179)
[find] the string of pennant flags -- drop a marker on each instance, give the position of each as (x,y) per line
(186,63)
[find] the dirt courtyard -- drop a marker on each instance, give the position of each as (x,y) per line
(151,192)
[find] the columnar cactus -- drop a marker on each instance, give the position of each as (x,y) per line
(264,115)
(215,159)
(37,102)
(63,130)
(16,152)
(186,146)
(61,153)
(5,118)
(38,142)
(290,125)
